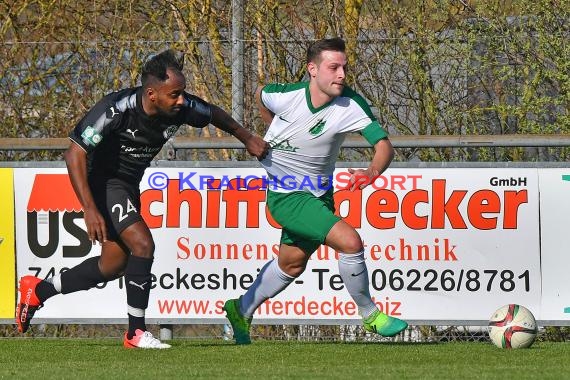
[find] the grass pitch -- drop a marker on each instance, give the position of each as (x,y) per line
(69,358)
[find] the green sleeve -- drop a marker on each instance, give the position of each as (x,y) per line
(374,132)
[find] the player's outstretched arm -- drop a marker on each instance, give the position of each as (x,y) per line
(254,144)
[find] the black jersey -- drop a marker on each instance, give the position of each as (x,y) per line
(121,140)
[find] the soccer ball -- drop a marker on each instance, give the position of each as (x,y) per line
(512,326)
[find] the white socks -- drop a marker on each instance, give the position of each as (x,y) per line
(354,274)
(271,280)
(268,283)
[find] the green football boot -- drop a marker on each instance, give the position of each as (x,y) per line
(385,325)
(240,324)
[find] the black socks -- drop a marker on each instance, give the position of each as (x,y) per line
(137,282)
(82,276)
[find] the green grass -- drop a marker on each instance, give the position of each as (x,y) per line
(68,358)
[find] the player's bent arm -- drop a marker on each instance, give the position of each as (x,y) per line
(266,114)
(383,156)
(76,161)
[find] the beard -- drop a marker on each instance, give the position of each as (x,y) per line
(168,113)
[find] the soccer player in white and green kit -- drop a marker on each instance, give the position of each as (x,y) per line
(307,125)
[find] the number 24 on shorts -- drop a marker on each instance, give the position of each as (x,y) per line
(124,211)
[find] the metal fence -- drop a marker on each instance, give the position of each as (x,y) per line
(411,141)
(469,74)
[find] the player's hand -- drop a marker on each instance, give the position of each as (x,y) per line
(96,227)
(258,147)
(360,178)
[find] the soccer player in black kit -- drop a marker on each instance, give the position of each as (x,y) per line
(111,148)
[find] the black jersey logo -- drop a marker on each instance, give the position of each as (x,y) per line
(113,113)
(170,131)
(90,136)
(132,132)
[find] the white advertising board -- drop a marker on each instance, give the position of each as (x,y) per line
(555,250)
(441,244)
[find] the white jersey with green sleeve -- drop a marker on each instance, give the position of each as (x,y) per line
(305,141)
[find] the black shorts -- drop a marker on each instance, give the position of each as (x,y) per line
(119,204)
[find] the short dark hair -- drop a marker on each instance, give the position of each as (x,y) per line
(330,44)
(156,66)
